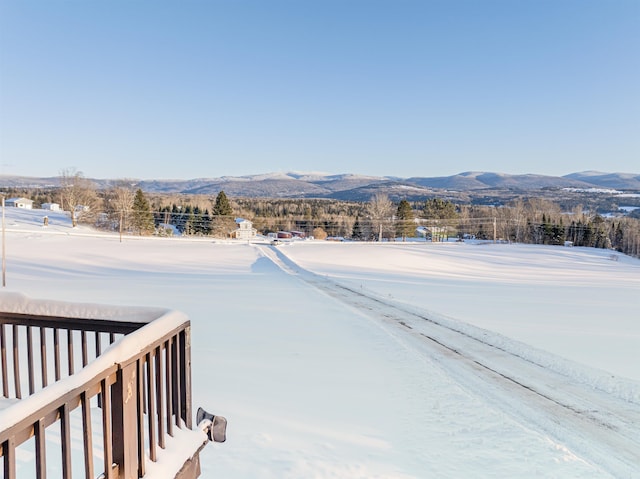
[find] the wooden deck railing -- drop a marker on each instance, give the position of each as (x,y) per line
(133,374)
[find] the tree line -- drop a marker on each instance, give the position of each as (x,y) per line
(125,208)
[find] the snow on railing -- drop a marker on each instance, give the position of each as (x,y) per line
(115,381)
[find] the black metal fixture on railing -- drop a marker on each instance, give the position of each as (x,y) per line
(214,426)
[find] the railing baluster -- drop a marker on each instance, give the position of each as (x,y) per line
(177,408)
(43,357)
(87,438)
(56,353)
(85,353)
(106,429)
(32,384)
(151,420)
(65,439)
(169,381)
(159,391)
(70,367)
(185,375)
(16,363)
(145,392)
(98,353)
(98,344)
(41,456)
(3,355)
(140,399)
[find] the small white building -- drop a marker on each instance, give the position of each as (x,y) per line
(51,206)
(244,230)
(19,203)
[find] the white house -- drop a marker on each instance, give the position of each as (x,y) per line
(244,230)
(19,203)
(51,206)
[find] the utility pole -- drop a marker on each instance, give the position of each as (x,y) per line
(495,229)
(4,261)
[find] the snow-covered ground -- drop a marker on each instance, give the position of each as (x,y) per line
(580,303)
(316,385)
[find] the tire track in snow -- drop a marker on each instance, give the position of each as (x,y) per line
(599,427)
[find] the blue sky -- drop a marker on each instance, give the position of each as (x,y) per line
(189,89)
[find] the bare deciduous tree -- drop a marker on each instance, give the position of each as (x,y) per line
(380,212)
(119,203)
(78,196)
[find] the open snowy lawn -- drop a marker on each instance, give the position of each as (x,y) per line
(315,389)
(580,303)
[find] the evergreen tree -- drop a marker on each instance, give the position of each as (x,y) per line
(142,217)
(600,239)
(222,206)
(405,226)
(356,232)
(188,221)
(547,230)
(197,220)
(558,234)
(206,223)
(439,209)
(618,238)
(222,224)
(587,235)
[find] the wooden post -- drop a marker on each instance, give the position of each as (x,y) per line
(185,376)
(9,459)
(4,256)
(125,425)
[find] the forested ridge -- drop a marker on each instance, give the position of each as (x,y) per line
(524,220)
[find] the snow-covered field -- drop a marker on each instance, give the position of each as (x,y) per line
(315,352)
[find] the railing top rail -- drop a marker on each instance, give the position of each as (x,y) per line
(81,324)
(12,304)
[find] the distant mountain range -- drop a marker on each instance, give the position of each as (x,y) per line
(360,187)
